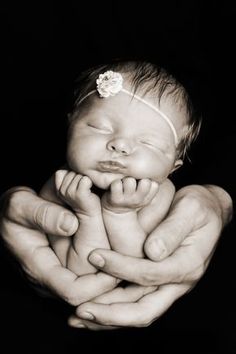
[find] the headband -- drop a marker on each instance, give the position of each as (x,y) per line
(110,83)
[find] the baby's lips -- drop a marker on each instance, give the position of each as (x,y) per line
(111,166)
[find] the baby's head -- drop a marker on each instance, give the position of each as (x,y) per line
(130,119)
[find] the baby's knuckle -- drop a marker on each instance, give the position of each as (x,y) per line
(117,200)
(70,194)
(62,191)
(129,179)
(137,199)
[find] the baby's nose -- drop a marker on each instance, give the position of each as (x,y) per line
(123,146)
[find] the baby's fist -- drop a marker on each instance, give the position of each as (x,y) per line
(129,193)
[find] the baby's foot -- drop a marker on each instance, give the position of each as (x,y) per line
(129,194)
(75,190)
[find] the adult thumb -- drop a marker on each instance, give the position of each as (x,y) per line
(23,206)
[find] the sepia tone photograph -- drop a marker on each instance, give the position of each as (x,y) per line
(117,183)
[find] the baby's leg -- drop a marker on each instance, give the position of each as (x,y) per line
(120,206)
(75,190)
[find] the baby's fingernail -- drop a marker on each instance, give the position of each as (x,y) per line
(86,315)
(97,260)
(67,222)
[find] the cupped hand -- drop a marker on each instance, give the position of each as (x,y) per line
(179,251)
(25,220)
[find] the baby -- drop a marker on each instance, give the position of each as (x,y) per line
(130,128)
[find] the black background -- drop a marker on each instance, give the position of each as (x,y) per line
(44,47)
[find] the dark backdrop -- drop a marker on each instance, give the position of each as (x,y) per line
(44,47)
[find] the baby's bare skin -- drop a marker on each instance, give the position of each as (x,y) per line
(113,221)
(120,206)
(75,190)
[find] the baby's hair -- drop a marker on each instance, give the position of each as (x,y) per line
(146,78)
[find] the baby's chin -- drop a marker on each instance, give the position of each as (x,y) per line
(104,180)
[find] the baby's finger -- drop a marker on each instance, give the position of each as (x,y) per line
(68,178)
(59,177)
(73,185)
(84,185)
(144,187)
(154,186)
(116,189)
(129,185)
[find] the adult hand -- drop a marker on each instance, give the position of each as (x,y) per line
(25,220)
(180,249)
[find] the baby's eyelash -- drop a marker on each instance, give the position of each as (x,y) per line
(93,126)
(147,143)
(153,145)
(102,128)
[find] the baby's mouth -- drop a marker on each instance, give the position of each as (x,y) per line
(110,166)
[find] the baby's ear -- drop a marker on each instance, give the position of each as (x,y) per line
(178,164)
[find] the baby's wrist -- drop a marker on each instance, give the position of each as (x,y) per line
(117,209)
(110,207)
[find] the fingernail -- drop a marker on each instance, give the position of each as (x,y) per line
(97,260)
(86,315)
(79,325)
(68,222)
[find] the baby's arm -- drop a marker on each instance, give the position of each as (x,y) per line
(119,207)
(154,212)
(75,190)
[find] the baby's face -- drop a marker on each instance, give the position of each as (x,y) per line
(119,136)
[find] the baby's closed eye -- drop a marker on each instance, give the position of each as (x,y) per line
(100,127)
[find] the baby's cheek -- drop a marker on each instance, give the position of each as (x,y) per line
(142,168)
(150,168)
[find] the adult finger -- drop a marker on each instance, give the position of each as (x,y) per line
(40,263)
(138,314)
(76,322)
(187,263)
(130,293)
(24,207)
(190,210)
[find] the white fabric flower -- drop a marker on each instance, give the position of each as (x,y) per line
(109,83)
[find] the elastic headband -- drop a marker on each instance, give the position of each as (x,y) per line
(110,83)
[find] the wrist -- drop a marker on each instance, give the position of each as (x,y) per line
(108,206)
(117,209)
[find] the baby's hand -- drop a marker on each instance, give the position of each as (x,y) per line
(75,190)
(128,194)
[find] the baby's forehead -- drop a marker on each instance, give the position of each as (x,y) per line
(145,99)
